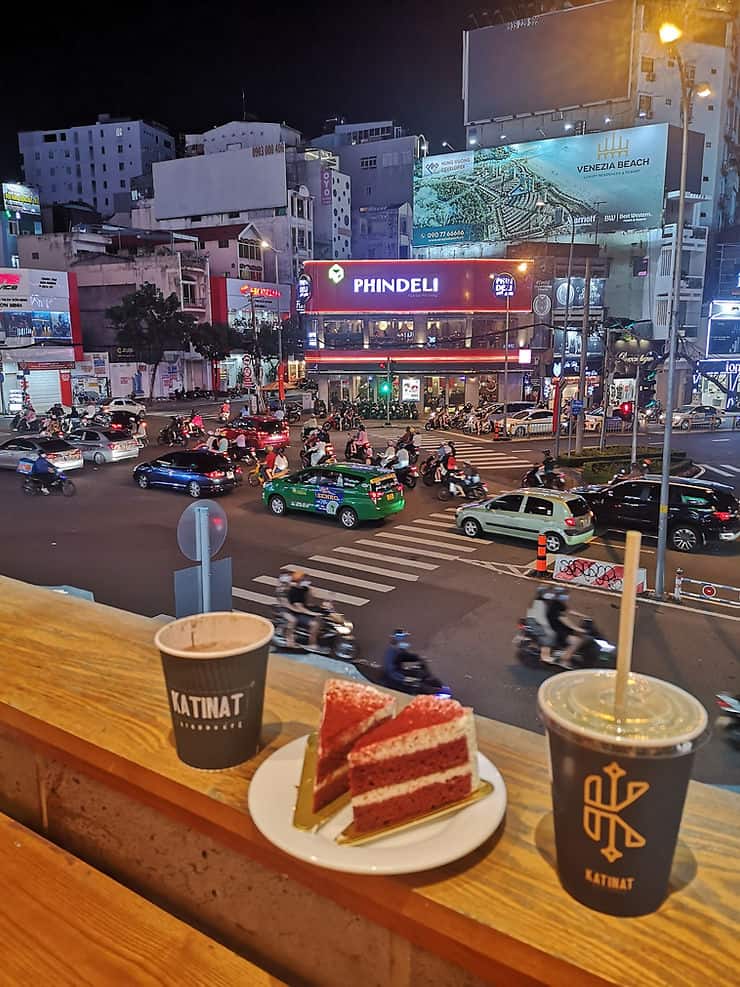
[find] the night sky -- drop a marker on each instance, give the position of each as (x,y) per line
(185,65)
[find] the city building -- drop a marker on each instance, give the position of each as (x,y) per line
(437,327)
(92,163)
(107,265)
(40,337)
(233,187)
(331,191)
(239,134)
(20,213)
(379,159)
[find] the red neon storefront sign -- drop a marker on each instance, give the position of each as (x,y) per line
(405,286)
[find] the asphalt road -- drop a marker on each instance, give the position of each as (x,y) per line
(413,571)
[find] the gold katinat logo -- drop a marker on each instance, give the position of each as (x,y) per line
(602,819)
(612,147)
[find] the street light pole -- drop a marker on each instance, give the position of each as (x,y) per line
(672,337)
(569,275)
(580,420)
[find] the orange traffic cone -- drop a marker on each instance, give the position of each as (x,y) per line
(540,566)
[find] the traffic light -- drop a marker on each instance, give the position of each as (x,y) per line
(384,388)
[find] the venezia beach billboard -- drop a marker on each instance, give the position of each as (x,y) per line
(610,181)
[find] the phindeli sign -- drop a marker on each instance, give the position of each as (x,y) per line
(393,286)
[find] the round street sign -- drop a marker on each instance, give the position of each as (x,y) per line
(709,590)
(187,527)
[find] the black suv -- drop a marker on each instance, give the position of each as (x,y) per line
(699,511)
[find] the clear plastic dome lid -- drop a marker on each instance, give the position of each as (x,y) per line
(657,714)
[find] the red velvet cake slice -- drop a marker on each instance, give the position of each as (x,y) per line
(349,711)
(422,760)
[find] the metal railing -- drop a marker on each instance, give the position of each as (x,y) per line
(697,589)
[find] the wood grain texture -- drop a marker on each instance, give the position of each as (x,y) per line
(85,682)
(67,924)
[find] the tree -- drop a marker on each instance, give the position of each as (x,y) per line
(214,342)
(149,323)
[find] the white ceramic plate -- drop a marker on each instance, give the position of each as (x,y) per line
(272,797)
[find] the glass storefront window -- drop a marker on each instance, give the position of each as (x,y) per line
(455,390)
(343,334)
(488,388)
(447,333)
(391,332)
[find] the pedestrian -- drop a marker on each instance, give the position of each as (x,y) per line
(141,434)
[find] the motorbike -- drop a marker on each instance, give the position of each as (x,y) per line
(407,476)
(172,434)
(537,478)
(336,637)
(361,454)
(428,470)
(414,678)
(467,485)
(437,419)
(729,706)
(593,650)
(59,483)
(292,414)
(21,424)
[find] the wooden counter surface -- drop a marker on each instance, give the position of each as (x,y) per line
(83,683)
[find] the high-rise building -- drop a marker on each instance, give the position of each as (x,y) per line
(379,159)
(92,163)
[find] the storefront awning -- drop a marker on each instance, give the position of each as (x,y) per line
(422,360)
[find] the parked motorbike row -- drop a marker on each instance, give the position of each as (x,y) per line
(350,415)
(480,420)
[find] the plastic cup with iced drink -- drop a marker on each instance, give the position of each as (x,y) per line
(618,785)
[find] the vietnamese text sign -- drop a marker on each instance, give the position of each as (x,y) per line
(491,193)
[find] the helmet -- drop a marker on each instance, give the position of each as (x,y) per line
(561,593)
(297,576)
(400,638)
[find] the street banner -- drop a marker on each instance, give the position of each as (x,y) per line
(592,572)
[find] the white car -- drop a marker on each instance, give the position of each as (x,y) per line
(124,404)
(536,421)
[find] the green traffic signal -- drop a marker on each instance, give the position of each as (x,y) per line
(385,387)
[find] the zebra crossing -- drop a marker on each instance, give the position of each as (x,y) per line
(484,457)
(724,469)
(408,551)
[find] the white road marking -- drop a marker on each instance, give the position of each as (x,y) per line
(429,566)
(246,594)
(715,469)
(437,534)
(352,601)
(726,466)
(338,577)
(411,551)
(350,564)
(422,541)
(445,516)
(434,524)
(720,440)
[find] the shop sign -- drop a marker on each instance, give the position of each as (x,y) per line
(410,388)
(325,187)
(525,357)
(259,291)
(53,365)
(407,286)
(304,289)
(503,285)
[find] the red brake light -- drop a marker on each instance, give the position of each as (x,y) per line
(722,515)
(570,522)
(399,487)
(374,496)
(111,445)
(215,475)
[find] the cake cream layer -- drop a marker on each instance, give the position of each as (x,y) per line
(409,788)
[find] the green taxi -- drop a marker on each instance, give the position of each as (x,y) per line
(346,491)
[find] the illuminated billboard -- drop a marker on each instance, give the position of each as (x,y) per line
(406,286)
(610,181)
(548,62)
(35,306)
(21,198)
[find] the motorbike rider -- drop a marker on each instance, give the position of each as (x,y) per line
(196,421)
(281,465)
(550,610)
(268,464)
(317,452)
(403,462)
(299,608)
(399,661)
(44,472)
(548,465)
(389,455)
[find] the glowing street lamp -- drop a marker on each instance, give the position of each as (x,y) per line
(669,33)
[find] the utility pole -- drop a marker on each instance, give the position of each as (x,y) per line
(584,356)
(635,415)
(388,387)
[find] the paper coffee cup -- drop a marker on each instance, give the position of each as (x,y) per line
(618,787)
(214,669)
